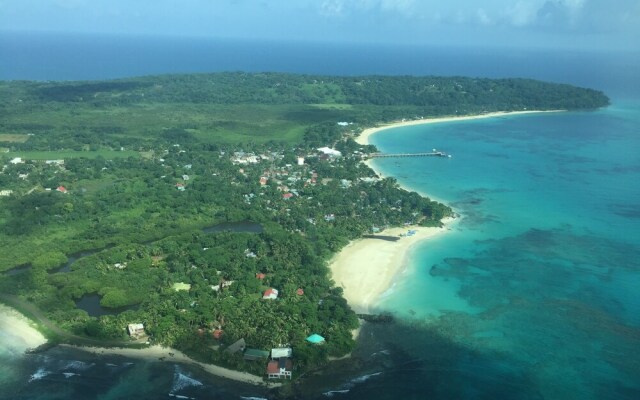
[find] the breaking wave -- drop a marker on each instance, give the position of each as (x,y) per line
(364,378)
(332,393)
(182,381)
(78,365)
(349,385)
(39,374)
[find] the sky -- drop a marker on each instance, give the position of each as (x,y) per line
(579,24)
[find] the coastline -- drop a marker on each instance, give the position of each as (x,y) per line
(20,335)
(364,138)
(20,330)
(157,353)
(367,268)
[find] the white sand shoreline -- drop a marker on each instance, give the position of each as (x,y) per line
(20,330)
(367,268)
(365,136)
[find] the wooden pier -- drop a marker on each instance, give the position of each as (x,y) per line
(429,154)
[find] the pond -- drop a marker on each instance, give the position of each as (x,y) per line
(66,267)
(91,304)
(18,270)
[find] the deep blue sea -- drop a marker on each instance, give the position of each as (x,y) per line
(534,292)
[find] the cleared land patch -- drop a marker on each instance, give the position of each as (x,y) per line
(13,138)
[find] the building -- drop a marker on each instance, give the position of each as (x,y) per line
(270,294)
(315,339)
(255,354)
(280,366)
(281,352)
(135,330)
(300,160)
(222,285)
(54,162)
(6,192)
(239,345)
(61,189)
(260,276)
(279,369)
(329,152)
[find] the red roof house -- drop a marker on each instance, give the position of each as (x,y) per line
(279,369)
(270,294)
(287,196)
(299,292)
(260,275)
(61,189)
(217,334)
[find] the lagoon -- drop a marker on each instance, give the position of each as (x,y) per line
(538,274)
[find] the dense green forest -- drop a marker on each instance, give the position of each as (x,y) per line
(134,170)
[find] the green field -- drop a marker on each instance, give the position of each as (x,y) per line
(219,123)
(65,154)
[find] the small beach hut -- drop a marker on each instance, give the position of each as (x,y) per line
(237,346)
(255,354)
(315,339)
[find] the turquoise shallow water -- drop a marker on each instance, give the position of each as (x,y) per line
(542,270)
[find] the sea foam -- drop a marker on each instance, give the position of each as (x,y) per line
(39,374)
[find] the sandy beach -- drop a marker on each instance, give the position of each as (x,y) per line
(364,136)
(19,332)
(165,354)
(367,267)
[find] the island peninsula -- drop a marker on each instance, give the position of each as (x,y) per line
(201,212)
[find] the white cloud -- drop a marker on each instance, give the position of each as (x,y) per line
(355,7)
(402,6)
(522,13)
(332,8)
(483,17)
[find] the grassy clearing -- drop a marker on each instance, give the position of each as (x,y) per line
(66,154)
(13,138)
(212,123)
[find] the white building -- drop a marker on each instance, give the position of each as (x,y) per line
(135,330)
(330,152)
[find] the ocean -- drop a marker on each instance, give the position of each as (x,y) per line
(532,294)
